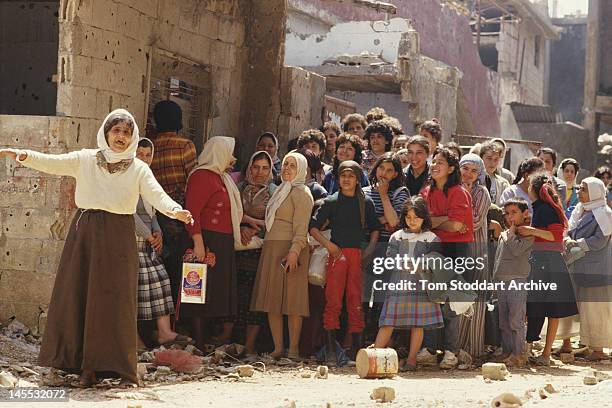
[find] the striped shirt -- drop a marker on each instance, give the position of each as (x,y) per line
(173,160)
(398,198)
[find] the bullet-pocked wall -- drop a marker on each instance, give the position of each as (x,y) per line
(28,57)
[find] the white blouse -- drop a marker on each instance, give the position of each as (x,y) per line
(96,188)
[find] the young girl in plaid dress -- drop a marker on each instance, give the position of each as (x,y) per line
(410,309)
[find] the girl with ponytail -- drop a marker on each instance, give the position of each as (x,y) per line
(548,226)
(520,187)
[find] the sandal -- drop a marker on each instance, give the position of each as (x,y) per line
(179,340)
(407,367)
(597,357)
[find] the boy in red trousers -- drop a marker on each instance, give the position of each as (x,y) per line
(350,214)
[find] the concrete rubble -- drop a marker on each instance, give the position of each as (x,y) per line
(383,394)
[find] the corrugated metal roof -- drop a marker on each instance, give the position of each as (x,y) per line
(533,113)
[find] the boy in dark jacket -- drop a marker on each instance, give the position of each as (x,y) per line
(350,214)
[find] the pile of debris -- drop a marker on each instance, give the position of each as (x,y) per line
(18,354)
(178,364)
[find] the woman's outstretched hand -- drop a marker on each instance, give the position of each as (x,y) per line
(11,154)
(183,216)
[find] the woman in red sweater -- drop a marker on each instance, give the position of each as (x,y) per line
(450,206)
(215,203)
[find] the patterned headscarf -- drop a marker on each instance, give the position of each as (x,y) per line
(106,155)
(283,191)
(474,159)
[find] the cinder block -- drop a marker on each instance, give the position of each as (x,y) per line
(222,54)
(17,192)
(26,290)
(230,30)
(105,15)
(36,224)
(148,7)
(189,15)
(76,101)
(73,133)
(24,131)
(209,25)
(128,21)
(169,11)
(107,101)
(21,254)
(83,12)
(146,29)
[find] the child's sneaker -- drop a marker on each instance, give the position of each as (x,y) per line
(449,361)
(425,358)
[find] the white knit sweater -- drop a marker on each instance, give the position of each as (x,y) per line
(96,188)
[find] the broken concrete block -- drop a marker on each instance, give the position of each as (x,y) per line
(245,370)
(567,358)
(306,374)
(589,380)
(506,400)
(322,372)
(179,360)
(542,393)
(383,394)
(7,380)
(494,371)
(550,389)
(141,370)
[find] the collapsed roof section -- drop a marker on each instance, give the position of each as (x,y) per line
(383,57)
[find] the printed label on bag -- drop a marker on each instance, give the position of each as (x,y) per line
(193,284)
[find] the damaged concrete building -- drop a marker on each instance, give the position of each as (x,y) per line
(418,63)
(516,40)
(65,64)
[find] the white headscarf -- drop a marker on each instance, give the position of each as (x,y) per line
(127,154)
(282,191)
(597,204)
(216,157)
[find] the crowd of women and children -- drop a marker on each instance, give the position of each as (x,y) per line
(290,245)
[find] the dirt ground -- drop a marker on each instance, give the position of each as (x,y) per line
(285,387)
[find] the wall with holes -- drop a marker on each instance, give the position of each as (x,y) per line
(35,211)
(28,57)
(105,50)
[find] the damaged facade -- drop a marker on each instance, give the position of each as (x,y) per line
(420,64)
(75,60)
(381,65)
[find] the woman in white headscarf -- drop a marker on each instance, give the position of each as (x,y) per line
(472,330)
(590,228)
(281,283)
(91,323)
(214,200)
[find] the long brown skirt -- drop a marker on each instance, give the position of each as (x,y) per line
(91,322)
(277,291)
(221,281)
